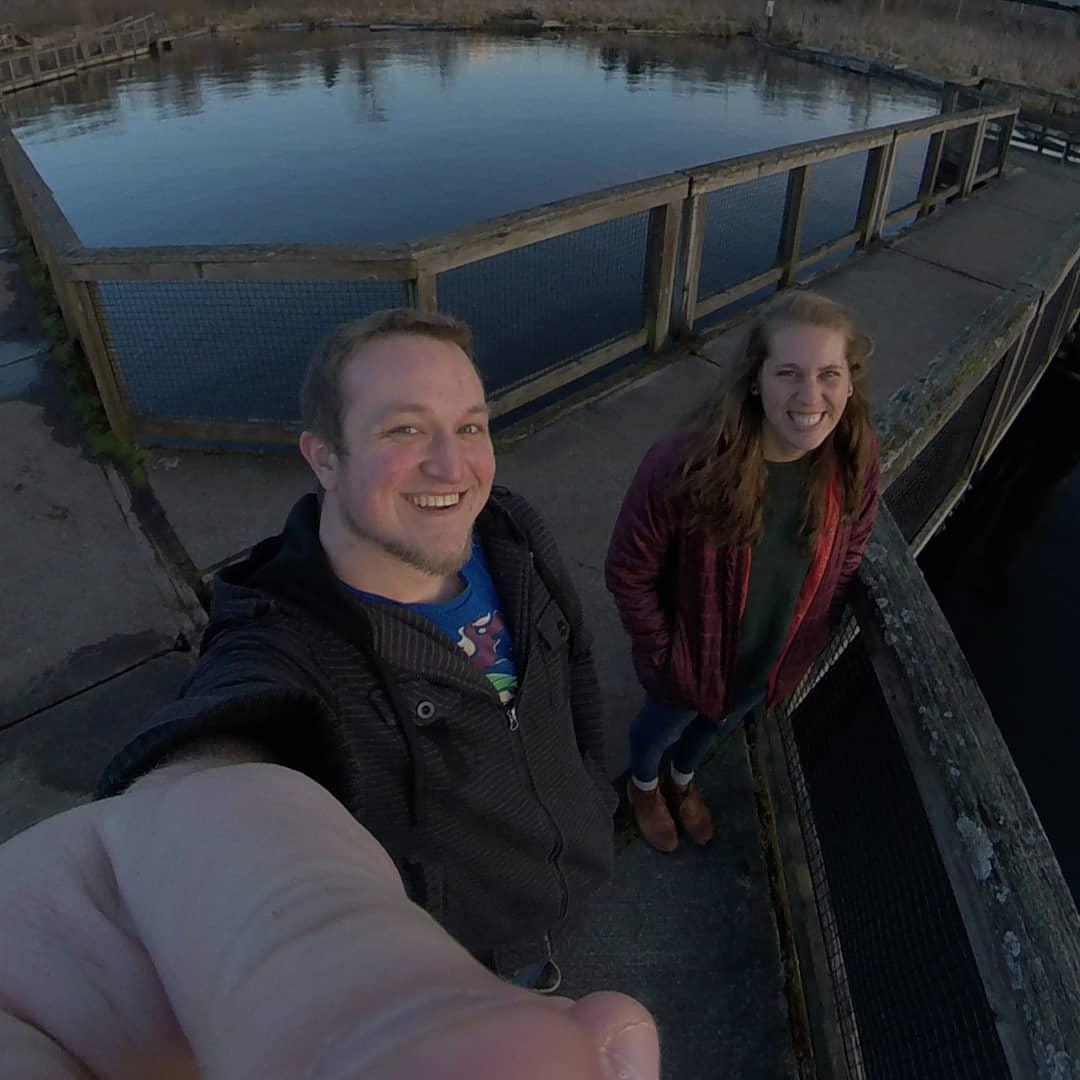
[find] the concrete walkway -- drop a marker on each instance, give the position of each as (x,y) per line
(91,644)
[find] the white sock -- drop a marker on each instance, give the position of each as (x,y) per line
(680,779)
(645,785)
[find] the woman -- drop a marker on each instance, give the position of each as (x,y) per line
(735,544)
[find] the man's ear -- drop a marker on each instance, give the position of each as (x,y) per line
(322,459)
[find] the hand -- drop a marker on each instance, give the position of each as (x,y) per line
(237,922)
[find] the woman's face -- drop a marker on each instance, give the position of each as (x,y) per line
(804,385)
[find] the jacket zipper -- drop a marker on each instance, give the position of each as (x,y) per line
(515,729)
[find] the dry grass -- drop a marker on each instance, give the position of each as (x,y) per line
(1042,49)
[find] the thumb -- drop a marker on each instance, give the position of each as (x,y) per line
(624,1034)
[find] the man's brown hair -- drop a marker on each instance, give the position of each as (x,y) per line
(322,403)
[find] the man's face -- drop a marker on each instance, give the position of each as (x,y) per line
(418,461)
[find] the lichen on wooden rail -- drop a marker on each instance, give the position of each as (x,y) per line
(1019,915)
(916,412)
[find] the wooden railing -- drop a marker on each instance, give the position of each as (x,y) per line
(56,59)
(676,248)
(1048,121)
(1021,924)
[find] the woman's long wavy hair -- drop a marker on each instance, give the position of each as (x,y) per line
(721,482)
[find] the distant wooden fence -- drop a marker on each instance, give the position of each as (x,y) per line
(674,296)
(1048,122)
(23,67)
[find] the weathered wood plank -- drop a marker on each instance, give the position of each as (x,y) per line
(1019,916)
(931,166)
(791,228)
(231,432)
(1062,257)
(659,279)
(113,398)
(422,292)
(692,246)
(823,251)
(974,151)
(915,413)
(764,163)
(513,231)
(566,373)
(757,166)
(874,178)
(301,262)
(736,292)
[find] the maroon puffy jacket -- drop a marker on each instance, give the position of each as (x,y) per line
(681,598)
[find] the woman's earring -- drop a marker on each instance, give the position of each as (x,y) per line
(754,390)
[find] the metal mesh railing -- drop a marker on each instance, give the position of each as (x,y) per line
(535,307)
(990,152)
(907,172)
(832,205)
(921,490)
(888,905)
(742,232)
(1044,343)
(226,350)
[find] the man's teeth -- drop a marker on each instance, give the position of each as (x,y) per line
(801,420)
(426,502)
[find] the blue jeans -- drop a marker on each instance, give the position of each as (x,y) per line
(689,734)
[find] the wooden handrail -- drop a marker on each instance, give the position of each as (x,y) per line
(1018,914)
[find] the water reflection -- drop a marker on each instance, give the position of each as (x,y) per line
(359,136)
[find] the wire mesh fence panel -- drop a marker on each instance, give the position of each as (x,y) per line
(742,233)
(919,1008)
(229,350)
(990,153)
(922,488)
(815,859)
(827,263)
(1042,343)
(832,203)
(536,307)
(908,171)
(954,154)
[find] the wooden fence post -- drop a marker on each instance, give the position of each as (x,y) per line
(691,248)
(113,399)
(791,231)
(1008,126)
(422,291)
(660,265)
(971,166)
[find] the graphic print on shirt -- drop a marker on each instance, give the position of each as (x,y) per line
(486,642)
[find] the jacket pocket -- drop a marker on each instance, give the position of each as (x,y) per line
(553,635)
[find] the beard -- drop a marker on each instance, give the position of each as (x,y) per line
(437,567)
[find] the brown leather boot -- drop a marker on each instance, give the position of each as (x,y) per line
(653,817)
(689,807)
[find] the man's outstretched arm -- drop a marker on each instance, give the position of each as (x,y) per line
(233,921)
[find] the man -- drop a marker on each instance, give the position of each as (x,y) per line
(412,643)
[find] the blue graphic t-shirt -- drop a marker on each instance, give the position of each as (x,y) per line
(473,620)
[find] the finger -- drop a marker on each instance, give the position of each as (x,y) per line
(77,988)
(623,1032)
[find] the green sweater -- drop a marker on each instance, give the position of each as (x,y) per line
(778,567)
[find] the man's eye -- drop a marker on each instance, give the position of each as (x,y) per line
(472,429)
(404,429)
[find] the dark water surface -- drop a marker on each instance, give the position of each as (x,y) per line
(1006,571)
(353,136)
